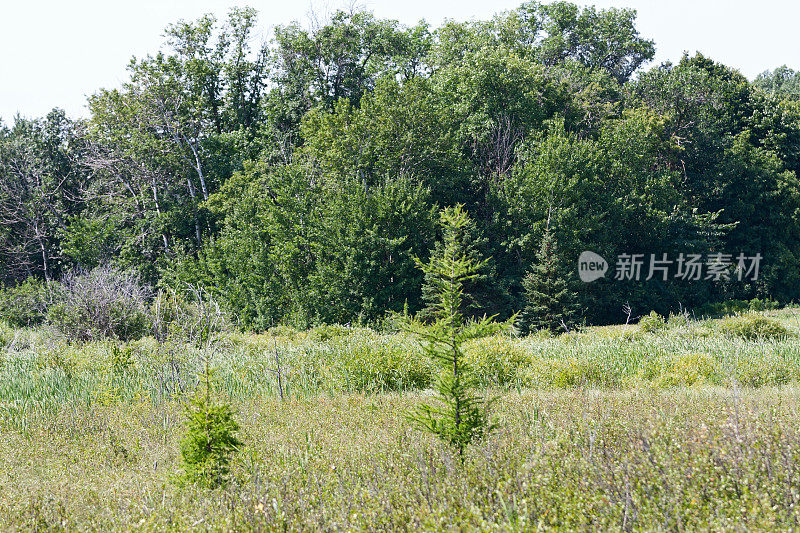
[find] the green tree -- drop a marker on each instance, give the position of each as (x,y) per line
(209,442)
(481,293)
(461,416)
(551,302)
(782,82)
(41,188)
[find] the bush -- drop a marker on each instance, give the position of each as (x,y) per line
(175,318)
(568,372)
(693,368)
(26,304)
(104,302)
(765,371)
(281,331)
(652,323)
(753,327)
(732,307)
(497,359)
(326,332)
(209,442)
(376,363)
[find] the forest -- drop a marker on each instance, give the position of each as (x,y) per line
(300,180)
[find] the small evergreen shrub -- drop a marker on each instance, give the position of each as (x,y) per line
(209,443)
(549,294)
(460,415)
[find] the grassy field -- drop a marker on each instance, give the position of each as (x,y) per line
(681,425)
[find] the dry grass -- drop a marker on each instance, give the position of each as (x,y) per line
(685,427)
(689,459)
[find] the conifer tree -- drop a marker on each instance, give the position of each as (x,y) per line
(460,417)
(550,298)
(211,430)
(482,293)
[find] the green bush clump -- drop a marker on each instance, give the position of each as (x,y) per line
(179,319)
(753,327)
(104,302)
(372,363)
(26,304)
(567,372)
(283,331)
(652,323)
(7,335)
(732,307)
(327,332)
(686,369)
(497,359)
(765,371)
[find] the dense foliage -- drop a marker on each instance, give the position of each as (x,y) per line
(297,179)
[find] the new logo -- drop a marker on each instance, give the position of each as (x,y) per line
(591,267)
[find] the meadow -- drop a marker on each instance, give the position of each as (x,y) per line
(678,424)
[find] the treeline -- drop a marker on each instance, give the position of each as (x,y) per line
(298,179)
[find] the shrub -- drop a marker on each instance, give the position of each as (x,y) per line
(731,307)
(568,372)
(209,442)
(376,363)
(549,294)
(496,359)
(104,302)
(460,417)
(175,318)
(283,331)
(764,371)
(652,323)
(687,369)
(26,304)
(7,335)
(752,327)
(327,332)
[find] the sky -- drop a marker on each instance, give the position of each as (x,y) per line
(54,53)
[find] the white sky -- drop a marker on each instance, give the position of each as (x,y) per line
(53,53)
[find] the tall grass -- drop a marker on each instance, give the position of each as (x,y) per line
(616,428)
(688,459)
(40,371)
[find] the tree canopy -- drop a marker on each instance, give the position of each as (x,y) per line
(300,178)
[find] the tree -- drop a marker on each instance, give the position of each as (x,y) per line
(305,248)
(481,293)
(41,185)
(550,299)
(782,82)
(460,418)
(555,34)
(175,132)
(342,58)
